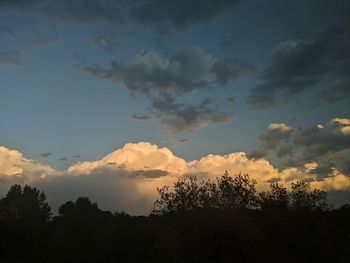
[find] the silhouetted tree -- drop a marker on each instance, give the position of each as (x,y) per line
(24,204)
(237,191)
(277,198)
(187,195)
(304,199)
(24,214)
(221,220)
(227,192)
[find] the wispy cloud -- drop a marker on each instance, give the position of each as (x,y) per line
(45,155)
(164,80)
(10,58)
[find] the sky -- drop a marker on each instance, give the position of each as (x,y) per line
(112,99)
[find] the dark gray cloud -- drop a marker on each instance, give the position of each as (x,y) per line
(81,11)
(103,42)
(323,170)
(285,150)
(149,173)
(164,16)
(319,60)
(257,154)
(152,75)
(321,141)
(10,58)
(231,69)
(170,16)
(178,117)
(276,134)
(227,42)
(232,98)
(140,117)
(328,145)
(163,80)
(13,3)
(45,155)
(158,42)
(191,69)
(62,159)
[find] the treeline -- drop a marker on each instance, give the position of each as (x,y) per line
(225,220)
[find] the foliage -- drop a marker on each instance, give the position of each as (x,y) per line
(225,220)
(24,204)
(303,199)
(237,192)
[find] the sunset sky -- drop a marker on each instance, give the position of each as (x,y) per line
(112,99)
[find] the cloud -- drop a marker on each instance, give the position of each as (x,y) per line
(317,61)
(150,74)
(9,162)
(178,117)
(257,154)
(17,2)
(140,117)
(103,42)
(232,98)
(170,16)
(227,42)
(77,11)
(164,80)
(45,155)
(15,168)
(127,178)
(328,145)
(231,69)
(213,165)
(164,16)
(135,157)
(275,134)
(10,58)
(343,124)
(111,189)
(316,141)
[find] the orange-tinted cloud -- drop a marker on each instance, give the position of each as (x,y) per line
(127,178)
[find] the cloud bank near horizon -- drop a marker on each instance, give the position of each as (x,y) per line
(127,179)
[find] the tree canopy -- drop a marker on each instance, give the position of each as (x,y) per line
(237,192)
(221,220)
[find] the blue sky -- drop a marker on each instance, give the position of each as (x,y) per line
(49,104)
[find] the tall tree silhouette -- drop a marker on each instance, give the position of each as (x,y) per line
(25,204)
(24,214)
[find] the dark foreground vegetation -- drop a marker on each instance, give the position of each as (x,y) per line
(213,221)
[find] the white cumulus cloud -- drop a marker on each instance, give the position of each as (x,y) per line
(127,179)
